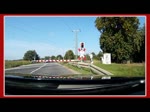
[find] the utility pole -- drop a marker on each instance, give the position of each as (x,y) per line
(76,42)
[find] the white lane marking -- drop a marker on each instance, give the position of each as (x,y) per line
(38,68)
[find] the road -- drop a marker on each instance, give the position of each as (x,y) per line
(42,69)
(56,69)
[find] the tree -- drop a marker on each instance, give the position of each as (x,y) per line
(59,57)
(142,49)
(53,57)
(47,57)
(119,36)
(69,55)
(42,58)
(31,55)
(87,57)
(94,55)
(139,48)
(99,55)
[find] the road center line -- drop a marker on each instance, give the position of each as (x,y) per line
(38,68)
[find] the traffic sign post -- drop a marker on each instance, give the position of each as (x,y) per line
(82,51)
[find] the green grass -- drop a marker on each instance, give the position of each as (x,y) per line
(127,70)
(11,64)
(83,71)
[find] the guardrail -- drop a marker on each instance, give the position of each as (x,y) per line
(94,68)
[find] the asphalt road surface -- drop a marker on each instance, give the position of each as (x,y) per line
(42,69)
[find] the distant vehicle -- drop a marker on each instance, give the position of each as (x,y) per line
(47,61)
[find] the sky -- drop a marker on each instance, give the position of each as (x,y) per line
(49,35)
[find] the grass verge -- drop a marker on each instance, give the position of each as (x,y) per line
(83,71)
(127,70)
(11,64)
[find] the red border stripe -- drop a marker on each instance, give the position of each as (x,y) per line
(148,55)
(2,54)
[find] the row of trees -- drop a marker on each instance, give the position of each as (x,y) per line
(31,55)
(58,57)
(122,37)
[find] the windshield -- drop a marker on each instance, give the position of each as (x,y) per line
(86,53)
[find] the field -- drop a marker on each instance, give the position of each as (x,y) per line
(10,64)
(127,70)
